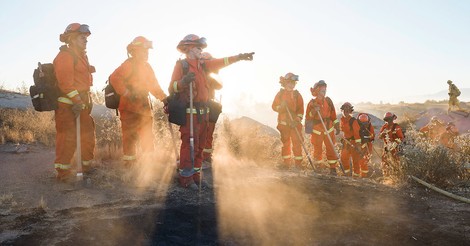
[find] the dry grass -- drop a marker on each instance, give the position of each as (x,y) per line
(26,126)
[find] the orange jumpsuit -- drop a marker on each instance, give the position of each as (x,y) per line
(433,131)
(188,171)
(366,152)
(392,135)
(207,152)
(351,142)
(133,80)
(319,136)
(447,138)
(287,128)
(74,79)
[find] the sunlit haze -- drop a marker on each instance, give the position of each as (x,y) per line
(377,51)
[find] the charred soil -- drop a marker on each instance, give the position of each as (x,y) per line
(245,204)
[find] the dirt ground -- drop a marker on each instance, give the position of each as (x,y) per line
(246,204)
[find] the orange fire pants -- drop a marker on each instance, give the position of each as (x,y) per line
(289,138)
(207,152)
(187,171)
(136,129)
(317,141)
(348,152)
(66,137)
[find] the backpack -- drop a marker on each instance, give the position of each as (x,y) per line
(364,127)
(45,92)
(310,123)
(111,97)
(457,91)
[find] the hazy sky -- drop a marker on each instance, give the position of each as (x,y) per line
(366,50)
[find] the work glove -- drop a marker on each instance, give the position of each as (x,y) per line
(246,56)
(188,78)
(294,124)
(77,108)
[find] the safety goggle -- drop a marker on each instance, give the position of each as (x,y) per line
(82,28)
(293,77)
(145,45)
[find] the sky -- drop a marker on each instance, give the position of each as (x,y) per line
(365,50)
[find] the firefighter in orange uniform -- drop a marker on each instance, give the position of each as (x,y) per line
(74,78)
(350,139)
(448,137)
(133,80)
(433,129)
(213,85)
(290,107)
(366,133)
(392,135)
(323,104)
(191,45)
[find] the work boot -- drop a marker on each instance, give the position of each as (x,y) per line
(192,186)
(129,164)
(64,176)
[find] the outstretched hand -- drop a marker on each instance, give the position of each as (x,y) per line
(246,56)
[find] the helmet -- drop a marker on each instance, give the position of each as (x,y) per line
(363,117)
(74,28)
(191,39)
(434,119)
(288,77)
(206,56)
(449,82)
(316,87)
(389,115)
(347,105)
(139,42)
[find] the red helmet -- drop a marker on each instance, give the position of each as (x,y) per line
(347,105)
(74,28)
(191,39)
(363,117)
(288,77)
(316,87)
(139,42)
(389,115)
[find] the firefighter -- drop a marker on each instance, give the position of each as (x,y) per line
(366,133)
(214,111)
(290,107)
(392,135)
(74,79)
(323,104)
(191,45)
(350,139)
(448,137)
(454,92)
(133,80)
(433,129)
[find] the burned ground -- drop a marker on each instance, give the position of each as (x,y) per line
(248,204)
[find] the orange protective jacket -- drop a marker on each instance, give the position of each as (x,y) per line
(327,112)
(201,84)
(395,136)
(350,134)
(433,130)
(294,102)
(133,80)
(73,73)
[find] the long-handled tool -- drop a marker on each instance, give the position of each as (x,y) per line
(300,139)
(331,141)
(78,153)
(191,124)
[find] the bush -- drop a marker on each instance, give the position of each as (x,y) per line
(433,162)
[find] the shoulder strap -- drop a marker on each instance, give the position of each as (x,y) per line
(330,103)
(351,122)
(68,50)
(185,66)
